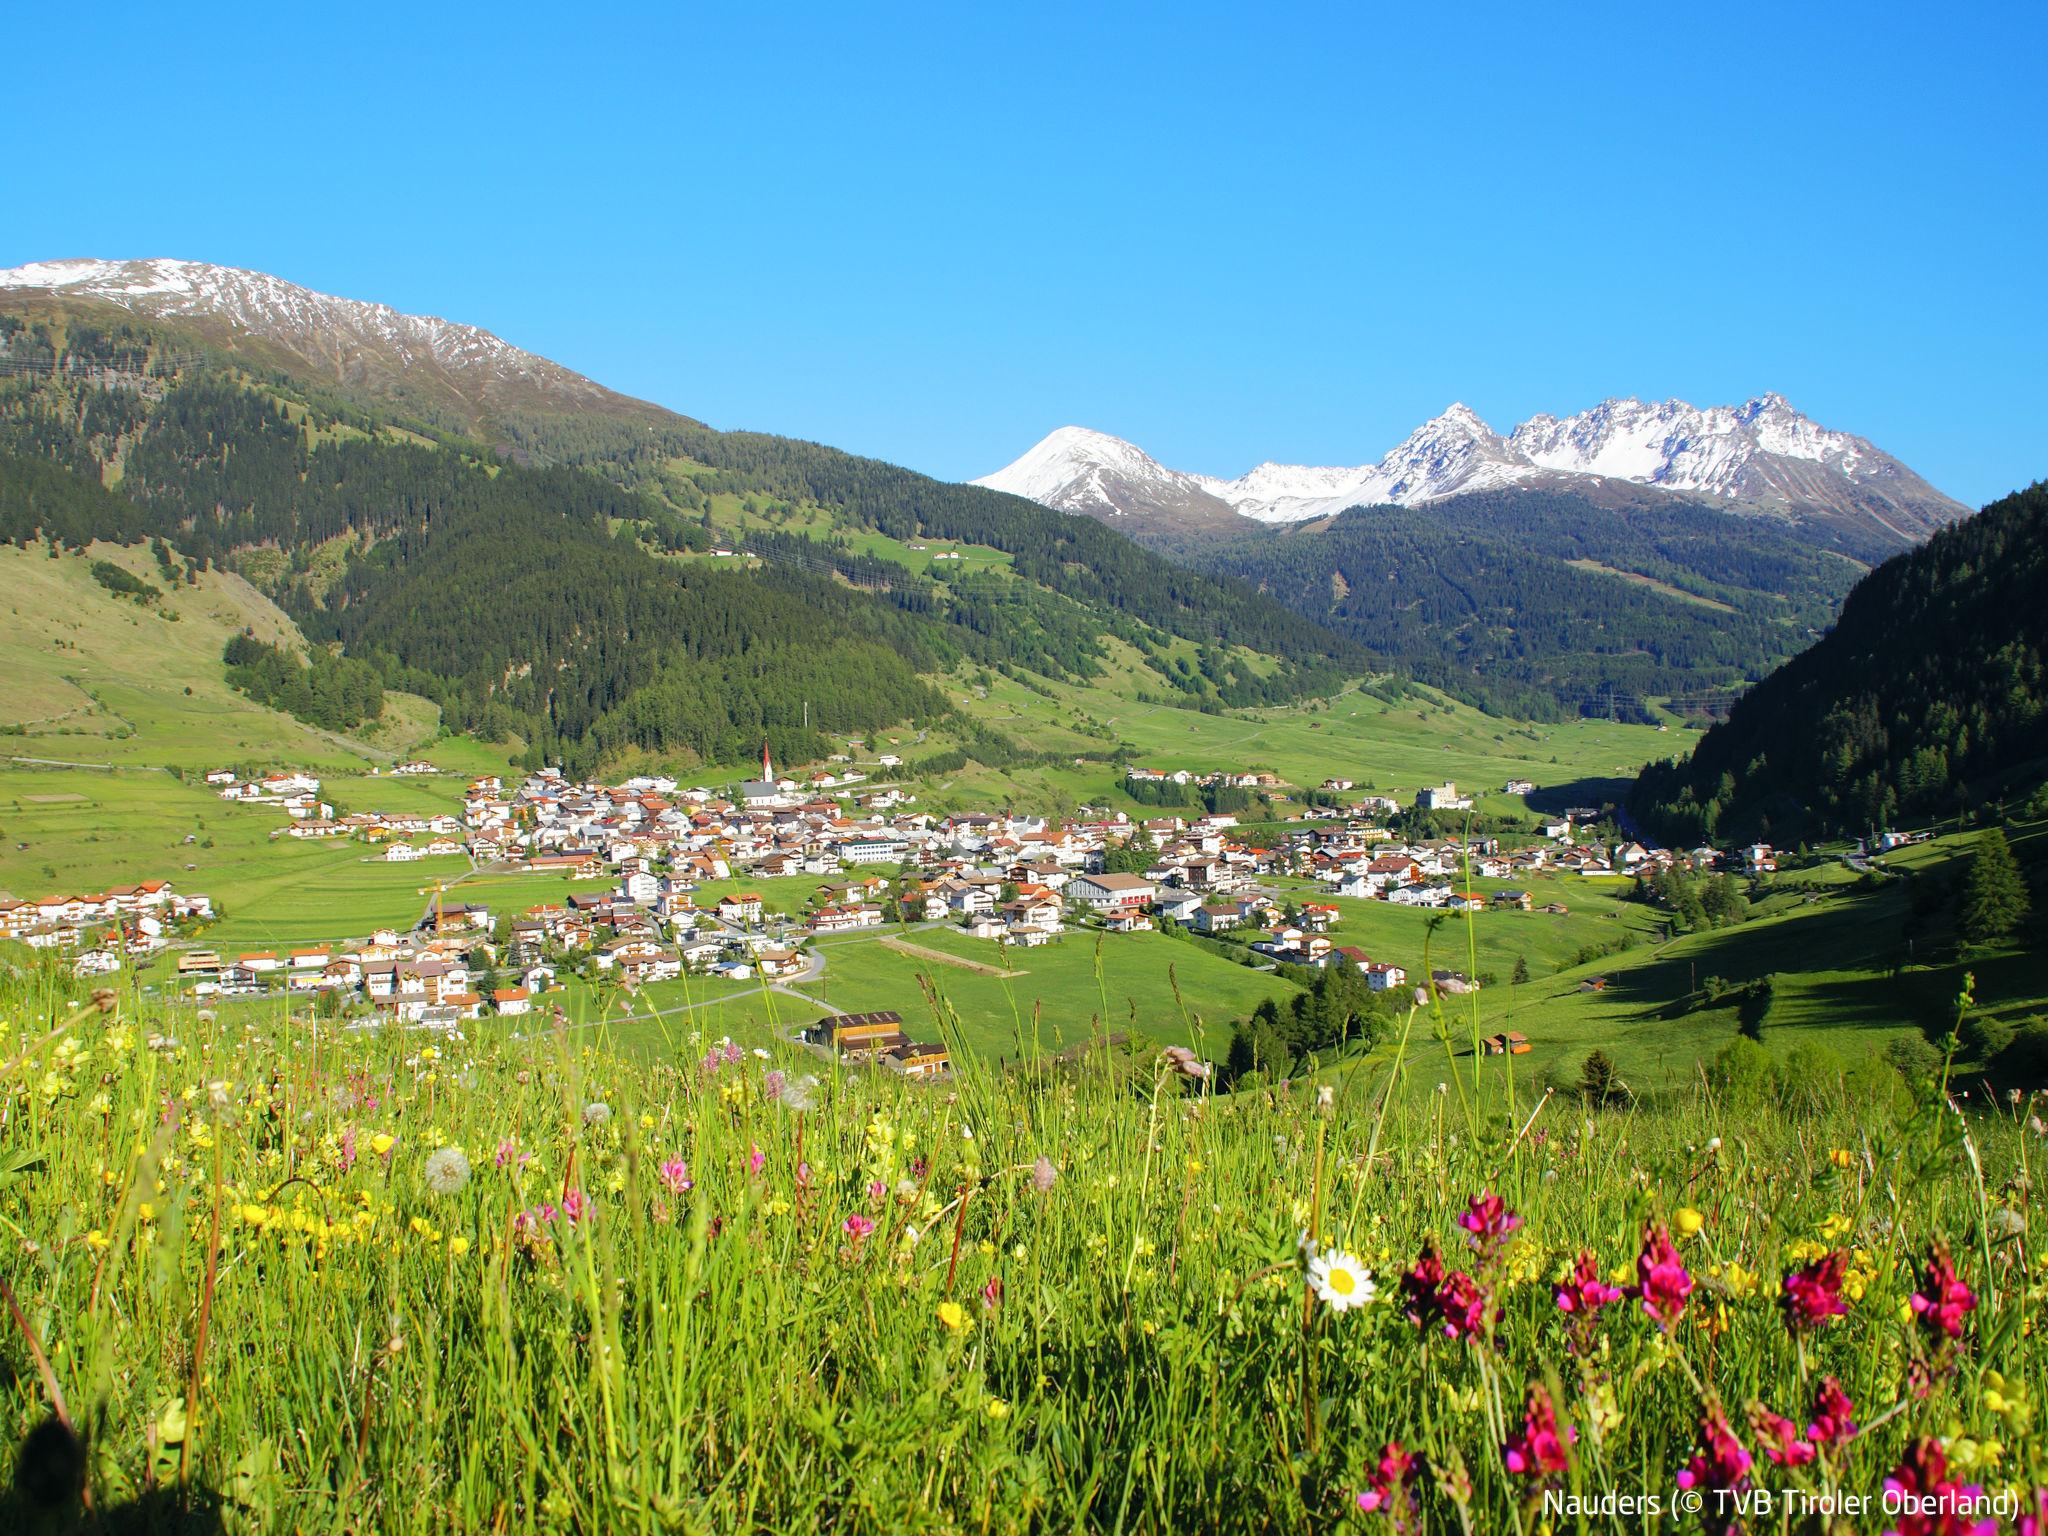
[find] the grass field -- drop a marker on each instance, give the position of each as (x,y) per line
(1050,1007)
(345,1282)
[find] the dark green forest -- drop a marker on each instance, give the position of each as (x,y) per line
(528,595)
(1927,696)
(1478,596)
(338,693)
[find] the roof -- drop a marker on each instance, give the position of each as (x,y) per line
(1119,882)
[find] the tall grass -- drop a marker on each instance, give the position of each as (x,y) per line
(1055,1299)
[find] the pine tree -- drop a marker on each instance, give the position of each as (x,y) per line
(1995,897)
(1521,974)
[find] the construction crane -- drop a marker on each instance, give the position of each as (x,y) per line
(435,891)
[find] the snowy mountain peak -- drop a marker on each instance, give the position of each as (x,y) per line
(1458,417)
(1761,456)
(1075,469)
(351,339)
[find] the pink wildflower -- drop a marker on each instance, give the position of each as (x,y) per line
(1720,1466)
(992,1293)
(1813,1295)
(1943,1299)
(1462,1300)
(1834,1416)
(1779,1437)
(1487,1222)
(1661,1278)
(756,1158)
(1927,1502)
(675,1176)
(858,1228)
(348,1149)
(575,1206)
(1420,1283)
(876,1190)
(1583,1292)
(1538,1448)
(1388,1483)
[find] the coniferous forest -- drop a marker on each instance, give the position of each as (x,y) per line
(1927,697)
(529,591)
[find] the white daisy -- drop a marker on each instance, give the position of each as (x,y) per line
(1340,1281)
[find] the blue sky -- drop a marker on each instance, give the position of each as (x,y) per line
(1226,233)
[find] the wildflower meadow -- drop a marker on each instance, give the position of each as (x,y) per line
(263,1274)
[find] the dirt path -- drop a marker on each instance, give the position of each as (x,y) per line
(939,955)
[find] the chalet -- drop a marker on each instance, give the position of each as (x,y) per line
(858,1036)
(1518,899)
(918,1060)
(1466,901)
(1512,1043)
(1520,787)
(741,907)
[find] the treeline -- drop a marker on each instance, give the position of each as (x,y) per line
(335,692)
(520,611)
(46,498)
(1212,799)
(1336,1011)
(1929,688)
(1075,557)
(1479,596)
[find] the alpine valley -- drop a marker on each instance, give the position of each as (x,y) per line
(1634,553)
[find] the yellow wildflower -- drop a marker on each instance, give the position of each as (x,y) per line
(1687,1222)
(954,1316)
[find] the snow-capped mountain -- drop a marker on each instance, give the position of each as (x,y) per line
(1076,470)
(429,361)
(1761,457)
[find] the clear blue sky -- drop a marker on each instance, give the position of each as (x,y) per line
(933,234)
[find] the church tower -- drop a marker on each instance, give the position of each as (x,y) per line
(767,765)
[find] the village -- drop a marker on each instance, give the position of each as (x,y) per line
(1017,881)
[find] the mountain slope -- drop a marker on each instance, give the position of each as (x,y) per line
(1533,601)
(460,375)
(1076,470)
(345,505)
(1930,687)
(1762,458)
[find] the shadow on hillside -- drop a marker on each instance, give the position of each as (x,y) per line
(44,1497)
(1556,799)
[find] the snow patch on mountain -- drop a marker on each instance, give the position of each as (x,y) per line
(1761,455)
(313,324)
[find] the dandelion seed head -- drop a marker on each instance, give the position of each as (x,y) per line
(447,1170)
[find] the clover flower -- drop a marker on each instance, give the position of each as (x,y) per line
(1583,1292)
(1388,1482)
(1719,1467)
(1943,1300)
(1540,1447)
(1834,1416)
(1813,1295)
(1928,1501)
(1487,1222)
(1662,1283)
(1779,1438)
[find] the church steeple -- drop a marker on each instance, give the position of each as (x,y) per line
(767,765)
